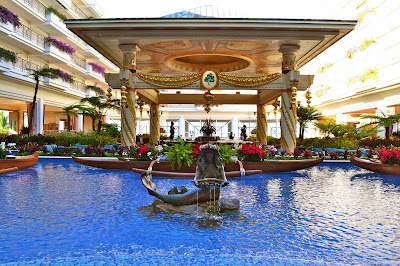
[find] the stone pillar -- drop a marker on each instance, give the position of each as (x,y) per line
(38,117)
(20,123)
(181,129)
(128,95)
(154,123)
(288,112)
(262,123)
(289,52)
(79,123)
(235,127)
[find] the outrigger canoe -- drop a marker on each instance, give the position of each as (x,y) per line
(8,170)
(21,162)
(164,168)
(374,166)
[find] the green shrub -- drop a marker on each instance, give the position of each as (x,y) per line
(374,142)
(273,141)
(91,138)
(3,154)
(226,152)
(330,143)
(180,153)
(111,130)
(56,12)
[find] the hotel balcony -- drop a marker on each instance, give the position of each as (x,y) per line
(78,88)
(54,25)
(54,55)
(75,65)
(93,9)
(5,66)
(6,29)
(27,39)
(94,76)
(95,56)
(31,10)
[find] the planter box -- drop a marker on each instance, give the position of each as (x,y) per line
(56,53)
(91,73)
(5,66)
(6,28)
(57,83)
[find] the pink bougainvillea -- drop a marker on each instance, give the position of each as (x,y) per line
(65,47)
(97,68)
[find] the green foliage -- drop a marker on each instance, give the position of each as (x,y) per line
(111,130)
(3,154)
(273,141)
(362,15)
(3,121)
(368,75)
(56,12)
(226,152)
(7,55)
(375,142)
(92,138)
(366,44)
(180,153)
(324,68)
(330,143)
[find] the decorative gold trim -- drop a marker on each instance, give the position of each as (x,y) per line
(248,80)
(169,81)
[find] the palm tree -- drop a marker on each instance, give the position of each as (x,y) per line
(383,120)
(305,115)
(98,106)
(45,72)
(69,111)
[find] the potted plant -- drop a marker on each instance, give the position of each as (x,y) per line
(208,129)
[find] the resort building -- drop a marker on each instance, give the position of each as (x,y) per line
(36,41)
(359,74)
(349,78)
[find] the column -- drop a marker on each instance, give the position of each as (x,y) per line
(262,123)
(235,127)
(79,123)
(38,117)
(181,129)
(128,95)
(288,112)
(20,122)
(154,123)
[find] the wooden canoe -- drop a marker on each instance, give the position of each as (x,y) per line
(191,175)
(270,166)
(377,167)
(8,170)
(21,162)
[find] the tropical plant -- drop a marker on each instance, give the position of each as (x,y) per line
(208,129)
(7,55)
(98,107)
(111,130)
(383,120)
(3,154)
(36,74)
(69,111)
(225,153)
(251,153)
(305,115)
(143,152)
(8,16)
(56,12)
(65,47)
(180,153)
(3,120)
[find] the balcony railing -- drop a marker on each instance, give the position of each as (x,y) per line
(31,35)
(23,65)
(37,6)
(79,86)
(77,39)
(78,12)
(78,61)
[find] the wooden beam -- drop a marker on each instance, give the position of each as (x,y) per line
(199,99)
(268,96)
(148,95)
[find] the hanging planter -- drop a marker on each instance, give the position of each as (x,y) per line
(8,16)
(60,45)
(97,68)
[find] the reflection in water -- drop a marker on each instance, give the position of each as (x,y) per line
(324,214)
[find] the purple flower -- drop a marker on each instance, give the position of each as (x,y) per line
(65,47)
(97,68)
(8,16)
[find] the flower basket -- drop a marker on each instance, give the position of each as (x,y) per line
(60,45)
(97,68)
(8,16)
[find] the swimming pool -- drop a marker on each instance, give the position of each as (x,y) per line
(59,212)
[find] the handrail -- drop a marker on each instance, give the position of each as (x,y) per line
(23,65)
(80,61)
(27,33)
(37,6)
(79,86)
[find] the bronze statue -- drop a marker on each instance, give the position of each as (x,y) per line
(172,132)
(209,178)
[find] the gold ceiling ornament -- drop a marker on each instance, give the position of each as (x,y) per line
(168,80)
(248,80)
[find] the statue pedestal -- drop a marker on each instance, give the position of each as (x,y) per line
(207,138)
(220,206)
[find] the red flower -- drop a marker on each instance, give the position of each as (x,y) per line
(196,150)
(143,149)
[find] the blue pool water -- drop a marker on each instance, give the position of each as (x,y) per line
(59,212)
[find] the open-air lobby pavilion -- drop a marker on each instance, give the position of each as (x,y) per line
(168,60)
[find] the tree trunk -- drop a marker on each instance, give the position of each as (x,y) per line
(387,132)
(68,122)
(33,106)
(301,131)
(93,124)
(99,125)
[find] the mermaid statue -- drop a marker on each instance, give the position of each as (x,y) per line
(209,178)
